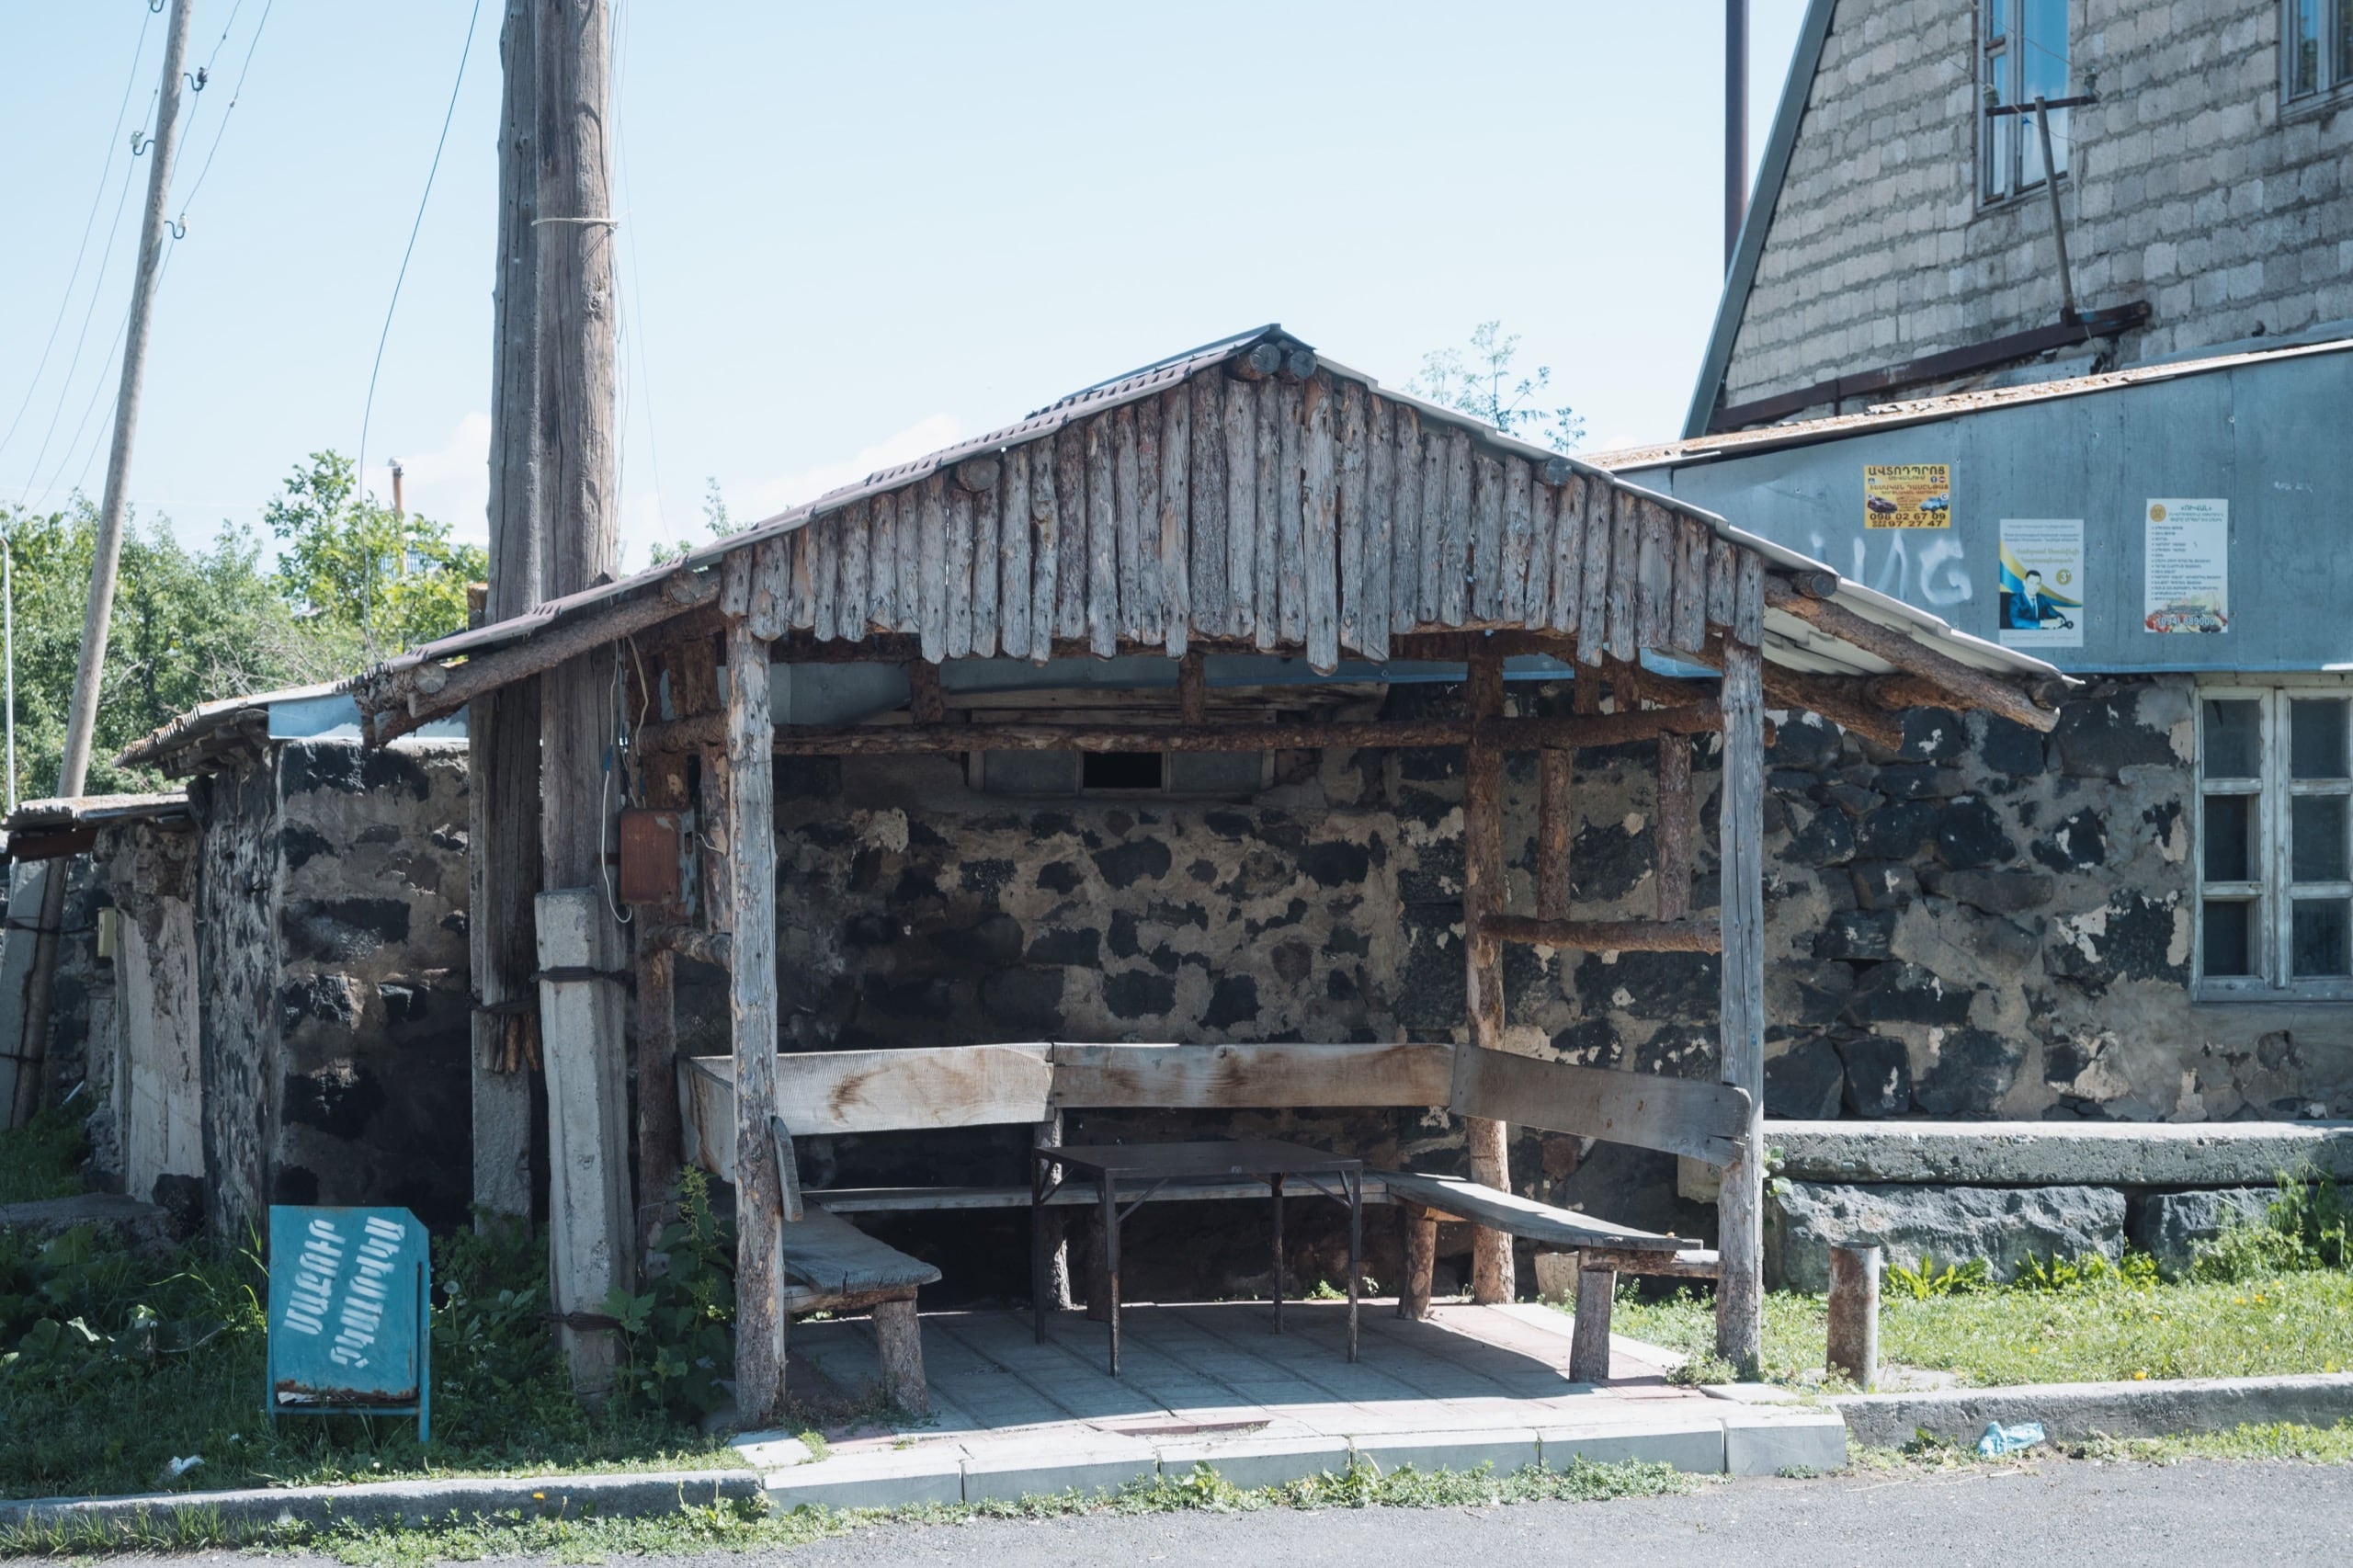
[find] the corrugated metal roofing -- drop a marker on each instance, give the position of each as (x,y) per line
(1925,410)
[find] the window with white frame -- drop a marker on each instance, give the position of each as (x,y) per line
(2024,58)
(2315,47)
(2274,841)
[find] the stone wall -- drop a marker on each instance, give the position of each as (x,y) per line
(375,1098)
(1991,923)
(147,1130)
(917,911)
(330,930)
(2189,188)
(1997,924)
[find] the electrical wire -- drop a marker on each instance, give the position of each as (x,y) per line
(633,317)
(97,198)
(368,410)
(97,287)
(235,93)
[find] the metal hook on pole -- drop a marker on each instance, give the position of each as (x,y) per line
(178,226)
(195,83)
(140,143)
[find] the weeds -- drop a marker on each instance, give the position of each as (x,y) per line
(2306,1226)
(748,1525)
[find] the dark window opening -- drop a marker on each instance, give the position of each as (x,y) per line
(1119,770)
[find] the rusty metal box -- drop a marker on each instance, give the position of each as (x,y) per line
(654,851)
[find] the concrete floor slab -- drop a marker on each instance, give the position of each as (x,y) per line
(1213,1383)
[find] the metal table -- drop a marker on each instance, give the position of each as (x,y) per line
(1152,1166)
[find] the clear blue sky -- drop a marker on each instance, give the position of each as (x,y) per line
(852,233)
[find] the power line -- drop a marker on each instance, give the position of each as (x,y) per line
(235,93)
(368,411)
(106,259)
(97,198)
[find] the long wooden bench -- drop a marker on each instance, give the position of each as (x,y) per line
(929,1088)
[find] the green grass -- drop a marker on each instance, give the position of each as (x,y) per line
(2290,1323)
(748,1527)
(41,1159)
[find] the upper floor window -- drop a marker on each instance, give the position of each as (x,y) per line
(2316,44)
(2274,841)
(2026,59)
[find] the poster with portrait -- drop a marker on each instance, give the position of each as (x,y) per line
(1908,495)
(2186,584)
(2041,598)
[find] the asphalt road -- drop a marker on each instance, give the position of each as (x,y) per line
(2059,1512)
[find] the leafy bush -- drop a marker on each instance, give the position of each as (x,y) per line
(677,1343)
(2092,1271)
(1925,1283)
(2304,1227)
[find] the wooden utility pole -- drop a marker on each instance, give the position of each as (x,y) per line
(82,717)
(502,727)
(579,771)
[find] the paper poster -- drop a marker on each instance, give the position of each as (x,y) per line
(2041,601)
(1908,495)
(2187,586)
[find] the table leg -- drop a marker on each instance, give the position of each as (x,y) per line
(1111,1263)
(1356,1250)
(1038,1246)
(1276,1183)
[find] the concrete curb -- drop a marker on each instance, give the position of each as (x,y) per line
(256,1511)
(2153,1409)
(1731,1438)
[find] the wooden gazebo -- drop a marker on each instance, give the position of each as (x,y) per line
(1246,497)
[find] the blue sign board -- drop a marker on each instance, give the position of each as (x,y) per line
(348,1319)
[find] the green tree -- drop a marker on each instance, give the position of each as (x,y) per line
(188,626)
(714,515)
(1479,379)
(395,579)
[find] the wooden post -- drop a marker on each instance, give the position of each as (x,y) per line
(900,1340)
(1589,1333)
(1057,1227)
(1555,775)
(588,1210)
(1740,1200)
(1674,811)
(658,1092)
(589,1204)
(760,1320)
(502,726)
(1421,1262)
(1482,894)
(1853,1314)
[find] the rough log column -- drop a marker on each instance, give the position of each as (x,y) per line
(1740,1201)
(1482,894)
(657,1021)
(502,727)
(751,904)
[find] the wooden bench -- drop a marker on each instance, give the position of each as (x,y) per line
(1603,1252)
(926,1088)
(834,1266)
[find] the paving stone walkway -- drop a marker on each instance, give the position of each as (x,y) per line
(1214,1383)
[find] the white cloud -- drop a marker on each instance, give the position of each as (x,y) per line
(766,497)
(450,485)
